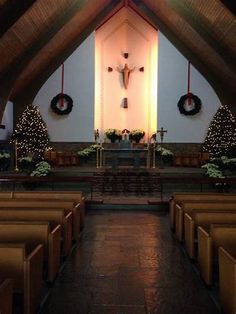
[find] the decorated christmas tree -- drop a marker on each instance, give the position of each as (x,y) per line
(221,136)
(31,133)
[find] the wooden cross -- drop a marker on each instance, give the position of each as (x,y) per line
(162,132)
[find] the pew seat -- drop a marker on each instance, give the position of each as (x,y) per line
(47,204)
(6,296)
(75,196)
(227,279)
(209,240)
(179,197)
(203,219)
(188,207)
(33,233)
(25,267)
(55,216)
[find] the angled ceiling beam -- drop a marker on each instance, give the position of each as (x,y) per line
(11,11)
(223,89)
(10,74)
(204,28)
(26,93)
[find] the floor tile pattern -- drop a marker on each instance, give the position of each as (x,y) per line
(128,263)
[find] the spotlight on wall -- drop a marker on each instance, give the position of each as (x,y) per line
(126,55)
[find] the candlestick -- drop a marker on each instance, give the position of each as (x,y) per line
(16,157)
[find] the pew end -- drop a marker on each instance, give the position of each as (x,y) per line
(227,279)
(6,296)
(25,270)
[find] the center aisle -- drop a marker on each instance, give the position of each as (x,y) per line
(128,263)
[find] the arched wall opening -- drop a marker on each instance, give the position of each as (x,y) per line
(126,62)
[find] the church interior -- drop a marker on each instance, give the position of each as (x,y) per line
(117,157)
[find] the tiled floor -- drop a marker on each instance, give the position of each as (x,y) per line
(128,263)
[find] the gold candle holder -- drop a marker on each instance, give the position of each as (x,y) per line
(16,157)
(154,156)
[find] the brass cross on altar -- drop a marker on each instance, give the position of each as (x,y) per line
(162,132)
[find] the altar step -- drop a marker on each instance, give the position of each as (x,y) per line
(127,204)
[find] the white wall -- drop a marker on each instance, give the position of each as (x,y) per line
(172,84)
(78,126)
(7,120)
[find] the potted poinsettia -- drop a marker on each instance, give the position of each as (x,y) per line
(136,135)
(113,135)
(4,160)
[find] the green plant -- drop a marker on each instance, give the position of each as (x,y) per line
(42,169)
(88,151)
(163,151)
(113,134)
(213,170)
(26,164)
(4,160)
(136,135)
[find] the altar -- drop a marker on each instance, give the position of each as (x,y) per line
(119,155)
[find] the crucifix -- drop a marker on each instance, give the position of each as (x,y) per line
(126,73)
(162,132)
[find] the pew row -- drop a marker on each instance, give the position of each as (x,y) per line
(54,216)
(34,233)
(227,280)
(203,219)
(25,267)
(74,196)
(209,240)
(47,204)
(188,207)
(6,296)
(180,197)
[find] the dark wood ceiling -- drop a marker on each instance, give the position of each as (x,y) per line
(37,36)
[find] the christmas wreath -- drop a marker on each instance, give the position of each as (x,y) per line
(191,108)
(62,104)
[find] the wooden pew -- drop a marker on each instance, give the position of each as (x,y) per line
(55,216)
(180,197)
(75,196)
(47,204)
(6,195)
(25,266)
(6,293)
(227,279)
(203,219)
(209,240)
(33,233)
(71,196)
(190,206)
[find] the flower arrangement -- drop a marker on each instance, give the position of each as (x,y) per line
(136,135)
(113,135)
(163,151)
(42,169)
(26,164)
(213,170)
(4,160)
(88,151)
(216,167)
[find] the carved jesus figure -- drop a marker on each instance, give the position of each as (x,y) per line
(126,73)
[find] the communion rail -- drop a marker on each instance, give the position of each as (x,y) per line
(113,182)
